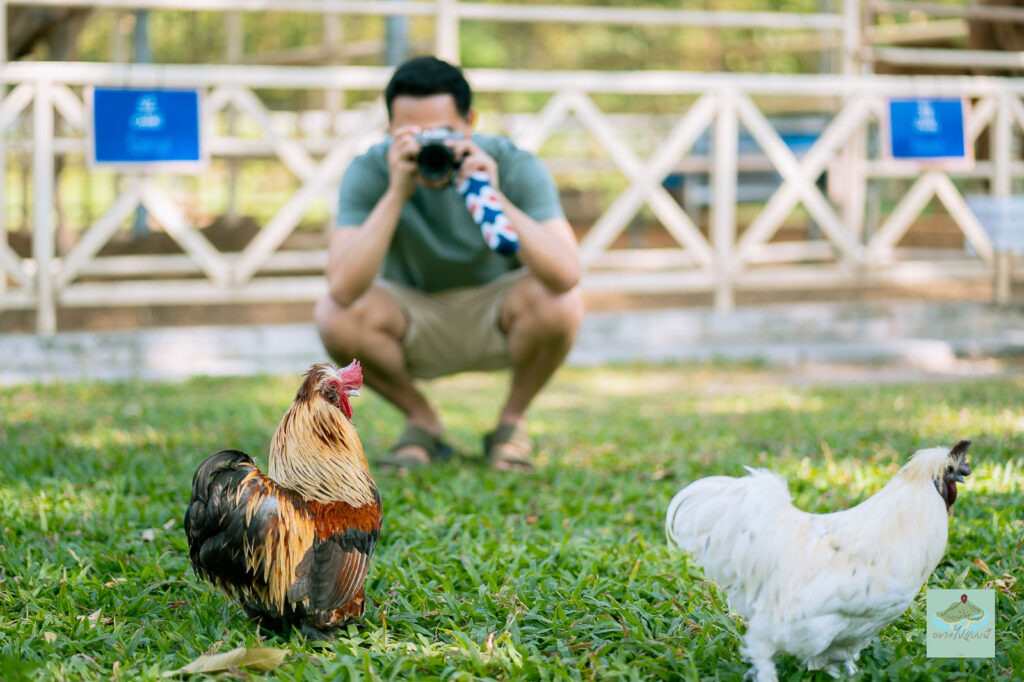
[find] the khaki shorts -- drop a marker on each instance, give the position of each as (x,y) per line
(454,330)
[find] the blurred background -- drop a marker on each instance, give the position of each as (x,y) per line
(711,155)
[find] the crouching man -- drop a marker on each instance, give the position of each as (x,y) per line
(419,288)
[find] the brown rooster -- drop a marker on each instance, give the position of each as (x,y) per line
(292,547)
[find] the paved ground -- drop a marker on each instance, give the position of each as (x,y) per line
(815,341)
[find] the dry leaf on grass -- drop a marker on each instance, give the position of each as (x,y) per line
(489,643)
(258,658)
(983,566)
(149,535)
(94,618)
(1004,583)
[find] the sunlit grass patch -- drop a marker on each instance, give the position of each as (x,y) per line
(558,574)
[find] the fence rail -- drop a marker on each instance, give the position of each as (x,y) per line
(448,14)
(726,255)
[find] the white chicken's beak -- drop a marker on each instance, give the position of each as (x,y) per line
(352,392)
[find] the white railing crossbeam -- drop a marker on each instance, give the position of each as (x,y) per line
(173,220)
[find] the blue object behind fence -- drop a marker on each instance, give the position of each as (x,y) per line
(693,189)
(134,126)
(922,129)
(1002,218)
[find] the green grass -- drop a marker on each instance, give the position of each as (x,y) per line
(560,574)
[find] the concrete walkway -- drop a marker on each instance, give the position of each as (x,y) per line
(912,338)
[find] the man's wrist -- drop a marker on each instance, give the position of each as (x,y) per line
(397,194)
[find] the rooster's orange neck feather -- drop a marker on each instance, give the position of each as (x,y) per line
(316,452)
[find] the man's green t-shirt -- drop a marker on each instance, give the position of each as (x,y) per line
(437,245)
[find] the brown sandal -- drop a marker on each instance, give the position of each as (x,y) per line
(436,448)
(508,448)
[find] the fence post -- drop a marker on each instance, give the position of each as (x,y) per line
(334,37)
(234,53)
(1001,142)
(42,209)
(723,208)
(446,41)
(850,189)
(855,193)
(1001,145)
(3,142)
(851,37)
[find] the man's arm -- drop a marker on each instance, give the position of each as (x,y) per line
(548,248)
(355,253)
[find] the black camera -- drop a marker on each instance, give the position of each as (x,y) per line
(436,159)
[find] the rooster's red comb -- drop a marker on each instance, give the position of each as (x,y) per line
(351,375)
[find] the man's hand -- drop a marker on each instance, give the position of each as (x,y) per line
(402,160)
(474,159)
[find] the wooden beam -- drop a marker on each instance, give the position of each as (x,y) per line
(70,107)
(723,205)
(174,222)
(973,10)
(287,218)
(374,79)
(880,248)
(43,210)
(99,234)
(799,176)
(628,16)
(960,59)
(954,202)
(645,179)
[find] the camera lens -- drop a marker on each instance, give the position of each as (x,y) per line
(435,160)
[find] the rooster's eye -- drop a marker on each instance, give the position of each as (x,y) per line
(332,391)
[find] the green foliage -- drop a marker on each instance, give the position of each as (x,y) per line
(559,574)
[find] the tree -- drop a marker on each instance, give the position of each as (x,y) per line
(29,28)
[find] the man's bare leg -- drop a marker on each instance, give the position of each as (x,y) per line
(371,329)
(541,326)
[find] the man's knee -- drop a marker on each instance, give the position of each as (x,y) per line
(551,314)
(335,326)
(345,330)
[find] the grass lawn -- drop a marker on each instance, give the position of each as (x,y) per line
(559,574)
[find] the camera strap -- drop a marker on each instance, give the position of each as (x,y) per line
(485,207)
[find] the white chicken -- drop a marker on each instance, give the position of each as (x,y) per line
(818,586)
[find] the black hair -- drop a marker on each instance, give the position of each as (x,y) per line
(426,76)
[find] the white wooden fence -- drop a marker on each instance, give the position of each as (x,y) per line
(723,259)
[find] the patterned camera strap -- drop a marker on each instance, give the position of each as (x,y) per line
(484,206)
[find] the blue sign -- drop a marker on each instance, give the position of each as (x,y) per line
(927,129)
(147,127)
